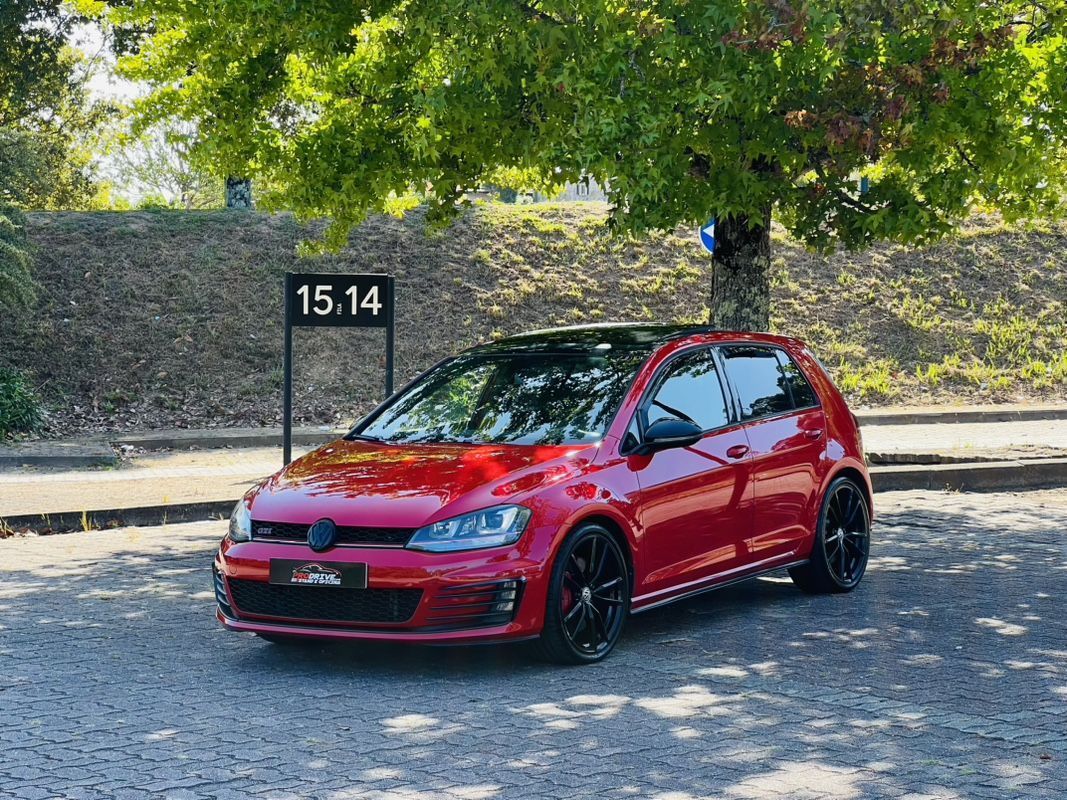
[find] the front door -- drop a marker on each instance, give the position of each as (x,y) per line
(696,501)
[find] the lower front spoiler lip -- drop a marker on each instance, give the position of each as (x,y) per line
(512,632)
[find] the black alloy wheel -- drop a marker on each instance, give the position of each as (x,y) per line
(842,544)
(589,598)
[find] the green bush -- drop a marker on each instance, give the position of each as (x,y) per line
(16,285)
(20,411)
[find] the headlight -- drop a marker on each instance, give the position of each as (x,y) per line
(240,522)
(492,527)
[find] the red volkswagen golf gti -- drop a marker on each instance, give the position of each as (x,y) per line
(548,485)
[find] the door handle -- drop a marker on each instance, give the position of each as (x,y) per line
(814,433)
(737,451)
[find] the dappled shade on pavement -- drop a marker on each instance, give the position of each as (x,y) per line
(943,675)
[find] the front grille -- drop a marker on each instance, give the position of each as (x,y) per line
(346,534)
(327,603)
(476,605)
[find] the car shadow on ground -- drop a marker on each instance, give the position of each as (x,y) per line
(664,626)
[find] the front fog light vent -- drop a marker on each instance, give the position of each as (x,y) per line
(220,593)
(476,605)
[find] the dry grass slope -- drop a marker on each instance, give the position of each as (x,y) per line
(174,319)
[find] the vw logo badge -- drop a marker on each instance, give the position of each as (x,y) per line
(321,535)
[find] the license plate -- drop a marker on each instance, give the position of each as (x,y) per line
(318,573)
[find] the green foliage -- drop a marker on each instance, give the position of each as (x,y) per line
(46,117)
(154,202)
(36,67)
(16,285)
(682,108)
(158,164)
(20,411)
(45,169)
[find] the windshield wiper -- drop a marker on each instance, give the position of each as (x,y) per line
(362,437)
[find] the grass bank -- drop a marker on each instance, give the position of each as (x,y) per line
(174,318)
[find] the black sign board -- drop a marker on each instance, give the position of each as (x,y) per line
(347,301)
(332,300)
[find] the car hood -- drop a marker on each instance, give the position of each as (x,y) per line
(407,486)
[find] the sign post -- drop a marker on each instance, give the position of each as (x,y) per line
(339,301)
(287,381)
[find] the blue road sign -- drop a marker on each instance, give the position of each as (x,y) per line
(707,236)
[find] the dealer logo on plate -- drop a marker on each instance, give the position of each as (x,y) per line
(317,575)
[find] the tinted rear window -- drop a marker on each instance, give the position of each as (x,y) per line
(803,394)
(758,378)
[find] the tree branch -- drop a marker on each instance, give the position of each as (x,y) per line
(966,158)
(537,14)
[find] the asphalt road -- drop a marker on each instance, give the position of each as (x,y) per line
(944,675)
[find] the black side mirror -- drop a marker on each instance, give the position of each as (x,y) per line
(669,432)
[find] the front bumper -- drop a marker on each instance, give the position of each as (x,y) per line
(411,596)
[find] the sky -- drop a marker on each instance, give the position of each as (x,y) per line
(103,83)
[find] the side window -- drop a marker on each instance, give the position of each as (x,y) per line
(803,394)
(691,391)
(758,379)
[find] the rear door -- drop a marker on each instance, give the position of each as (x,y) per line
(695,501)
(786,431)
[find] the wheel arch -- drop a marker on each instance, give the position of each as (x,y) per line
(858,477)
(613,527)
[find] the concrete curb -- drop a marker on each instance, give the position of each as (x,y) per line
(57,455)
(70,521)
(995,476)
(933,416)
(986,476)
(213,438)
(932,459)
(60,454)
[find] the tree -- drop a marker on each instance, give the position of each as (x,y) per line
(684,109)
(239,193)
(45,113)
(158,163)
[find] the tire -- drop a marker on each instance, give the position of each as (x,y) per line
(582,627)
(842,542)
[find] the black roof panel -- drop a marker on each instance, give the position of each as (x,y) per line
(587,338)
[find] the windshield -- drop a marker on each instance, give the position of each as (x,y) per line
(514,398)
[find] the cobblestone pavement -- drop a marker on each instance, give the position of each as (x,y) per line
(944,675)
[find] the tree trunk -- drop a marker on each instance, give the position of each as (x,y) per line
(238,193)
(741,274)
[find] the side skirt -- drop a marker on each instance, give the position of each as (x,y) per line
(720,585)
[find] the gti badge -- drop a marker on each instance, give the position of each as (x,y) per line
(321,535)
